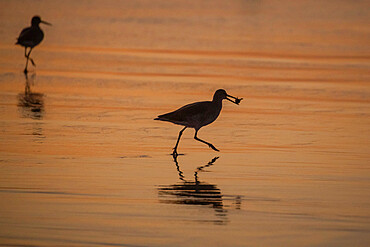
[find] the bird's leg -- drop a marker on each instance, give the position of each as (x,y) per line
(177,143)
(29,53)
(25,54)
(209,144)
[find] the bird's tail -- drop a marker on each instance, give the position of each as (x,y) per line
(167,117)
(163,117)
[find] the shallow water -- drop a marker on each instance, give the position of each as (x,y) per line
(82,163)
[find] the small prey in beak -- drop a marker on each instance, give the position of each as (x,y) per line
(237,100)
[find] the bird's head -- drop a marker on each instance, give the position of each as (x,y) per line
(36,20)
(221,94)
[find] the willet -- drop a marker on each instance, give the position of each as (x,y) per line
(197,115)
(30,37)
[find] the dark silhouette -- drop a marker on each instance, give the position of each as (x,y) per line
(31,37)
(197,115)
(31,104)
(195,193)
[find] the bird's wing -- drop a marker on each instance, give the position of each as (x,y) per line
(24,35)
(185,113)
(30,37)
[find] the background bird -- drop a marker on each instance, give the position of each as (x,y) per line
(197,115)
(31,37)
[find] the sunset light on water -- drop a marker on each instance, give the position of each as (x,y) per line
(83,163)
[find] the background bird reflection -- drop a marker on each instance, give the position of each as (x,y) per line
(31,104)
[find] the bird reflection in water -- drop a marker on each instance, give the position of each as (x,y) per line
(195,192)
(31,104)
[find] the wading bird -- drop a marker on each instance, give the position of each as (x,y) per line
(31,37)
(197,115)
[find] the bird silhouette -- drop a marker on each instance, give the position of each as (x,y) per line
(31,37)
(197,115)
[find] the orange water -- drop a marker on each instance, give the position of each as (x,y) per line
(82,163)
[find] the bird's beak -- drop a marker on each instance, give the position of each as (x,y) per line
(237,100)
(47,23)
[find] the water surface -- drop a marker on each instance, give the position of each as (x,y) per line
(82,163)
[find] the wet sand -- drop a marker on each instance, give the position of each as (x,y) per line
(82,163)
